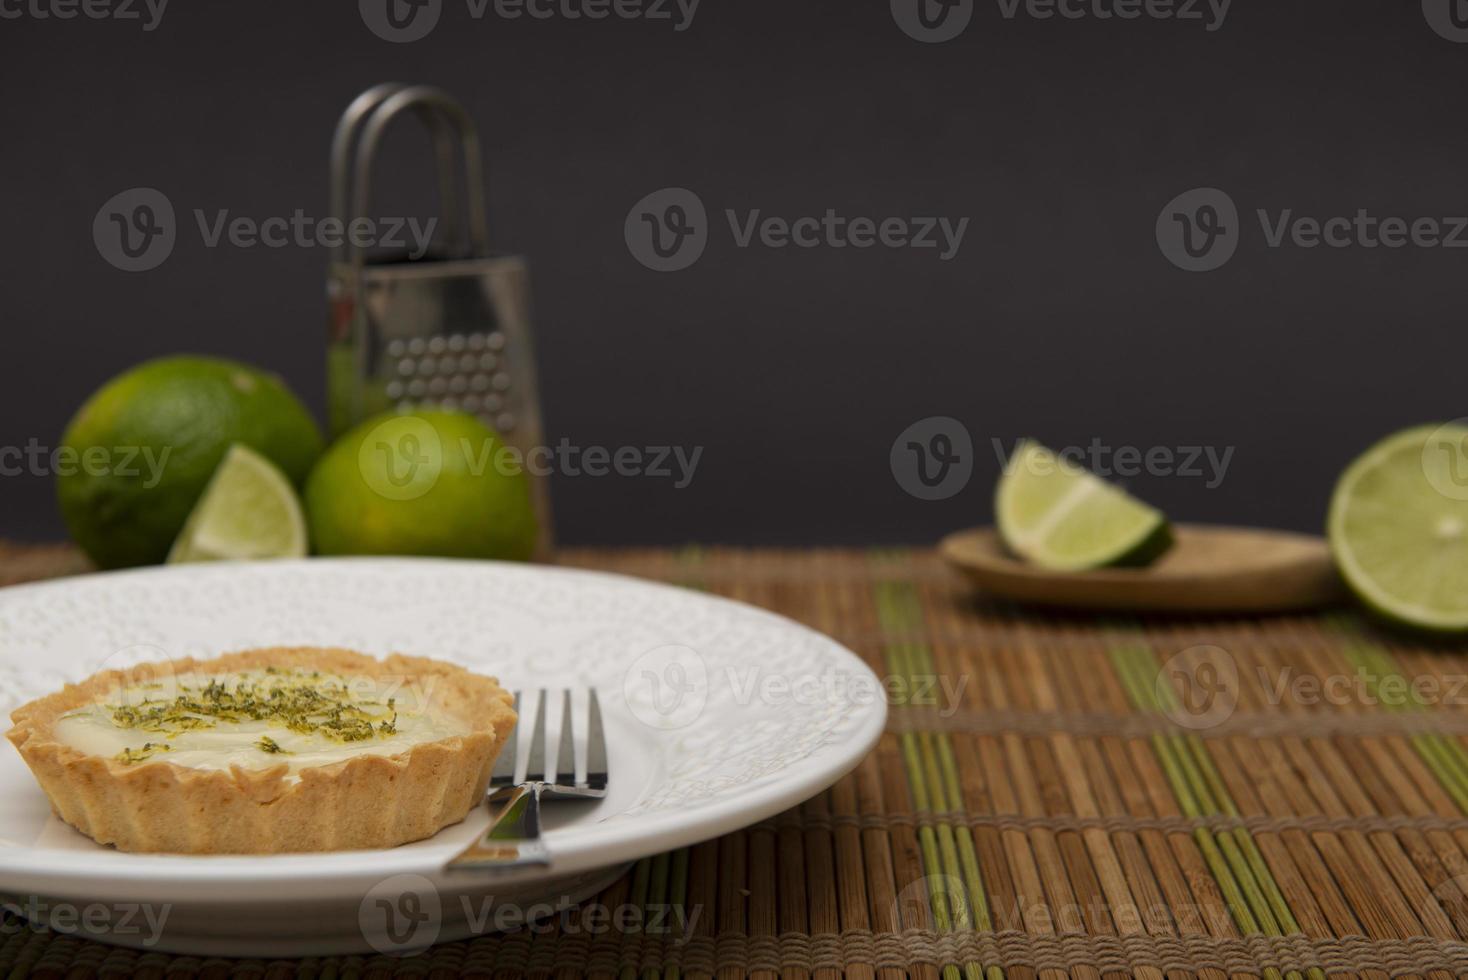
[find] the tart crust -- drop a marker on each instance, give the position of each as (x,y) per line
(364,801)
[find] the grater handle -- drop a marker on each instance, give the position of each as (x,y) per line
(344,140)
(453,130)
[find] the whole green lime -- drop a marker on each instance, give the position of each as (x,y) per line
(421,483)
(138,454)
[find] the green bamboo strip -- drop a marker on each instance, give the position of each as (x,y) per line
(640,875)
(1279,918)
(1450,766)
(1248,888)
(1274,914)
(983,920)
(1444,757)
(678,899)
(947,853)
(657,899)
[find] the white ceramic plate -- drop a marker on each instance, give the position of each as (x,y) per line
(718,715)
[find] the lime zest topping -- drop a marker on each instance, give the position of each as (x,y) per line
(129,756)
(296,701)
(270,746)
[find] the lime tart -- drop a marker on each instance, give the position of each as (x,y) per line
(266,751)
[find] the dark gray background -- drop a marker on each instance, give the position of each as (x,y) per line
(794,369)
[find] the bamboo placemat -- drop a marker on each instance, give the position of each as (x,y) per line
(1283,798)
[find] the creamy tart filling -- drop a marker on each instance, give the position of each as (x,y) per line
(257,719)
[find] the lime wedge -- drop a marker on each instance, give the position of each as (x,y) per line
(248,510)
(1052,512)
(1398,526)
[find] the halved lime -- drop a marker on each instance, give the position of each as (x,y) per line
(1398,526)
(160,431)
(1053,512)
(249,510)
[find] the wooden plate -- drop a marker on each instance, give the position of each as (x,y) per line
(1209,568)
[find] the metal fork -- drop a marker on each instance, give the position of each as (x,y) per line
(513,839)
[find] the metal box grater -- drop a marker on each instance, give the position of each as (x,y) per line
(450,329)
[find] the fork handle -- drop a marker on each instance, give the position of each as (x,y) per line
(513,839)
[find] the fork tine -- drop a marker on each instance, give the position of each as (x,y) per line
(596,747)
(535,766)
(566,750)
(504,764)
